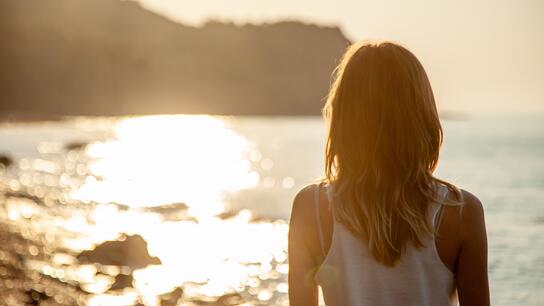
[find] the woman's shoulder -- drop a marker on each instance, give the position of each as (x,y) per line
(303,223)
(464,201)
(307,191)
(308,199)
(304,201)
(468,213)
(472,213)
(470,201)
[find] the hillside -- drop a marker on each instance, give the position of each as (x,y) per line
(110,57)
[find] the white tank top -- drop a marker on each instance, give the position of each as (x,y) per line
(350,276)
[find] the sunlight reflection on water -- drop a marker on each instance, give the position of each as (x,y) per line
(170,159)
(166,159)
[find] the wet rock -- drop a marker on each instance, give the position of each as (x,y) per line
(35,297)
(171,298)
(122,281)
(228,214)
(171,212)
(229,299)
(131,251)
(122,207)
(168,208)
(75,145)
(24,195)
(5,161)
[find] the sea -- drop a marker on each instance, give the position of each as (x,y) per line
(211,196)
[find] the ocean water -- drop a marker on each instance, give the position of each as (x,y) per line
(236,178)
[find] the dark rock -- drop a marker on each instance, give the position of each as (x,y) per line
(35,297)
(5,160)
(75,145)
(168,208)
(171,298)
(24,195)
(130,251)
(171,212)
(228,214)
(122,207)
(229,299)
(122,281)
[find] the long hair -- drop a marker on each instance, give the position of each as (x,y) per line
(382,148)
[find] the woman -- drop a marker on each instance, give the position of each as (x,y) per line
(380,229)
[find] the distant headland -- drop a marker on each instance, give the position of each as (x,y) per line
(111,57)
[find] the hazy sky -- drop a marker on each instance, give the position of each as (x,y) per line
(481,55)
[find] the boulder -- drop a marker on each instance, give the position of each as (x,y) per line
(171,298)
(130,251)
(5,161)
(75,145)
(168,208)
(122,281)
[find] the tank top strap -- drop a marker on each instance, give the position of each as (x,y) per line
(442,194)
(318,219)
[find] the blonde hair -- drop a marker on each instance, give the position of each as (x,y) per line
(382,148)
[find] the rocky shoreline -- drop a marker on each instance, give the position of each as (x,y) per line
(21,286)
(56,249)
(32,265)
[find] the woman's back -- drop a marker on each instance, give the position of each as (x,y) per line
(323,252)
(349,275)
(382,148)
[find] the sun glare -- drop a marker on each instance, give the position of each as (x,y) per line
(195,160)
(158,160)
